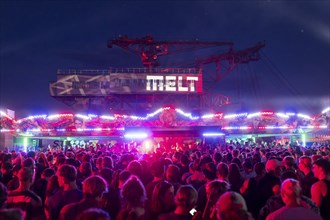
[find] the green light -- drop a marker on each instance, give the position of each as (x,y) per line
(303,139)
(25,144)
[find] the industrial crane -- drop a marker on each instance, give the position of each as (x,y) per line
(150,50)
(223,55)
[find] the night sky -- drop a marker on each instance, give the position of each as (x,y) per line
(39,37)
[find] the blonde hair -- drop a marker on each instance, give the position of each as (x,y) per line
(25,174)
(186,196)
(291,188)
(231,200)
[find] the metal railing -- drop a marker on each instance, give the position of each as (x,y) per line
(128,70)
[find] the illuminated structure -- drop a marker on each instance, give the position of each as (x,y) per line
(164,120)
(160,125)
(136,90)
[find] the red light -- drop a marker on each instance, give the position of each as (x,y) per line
(219,115)
(267,113)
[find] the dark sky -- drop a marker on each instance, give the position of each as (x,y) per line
(39,37)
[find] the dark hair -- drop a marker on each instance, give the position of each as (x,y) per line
(48,172)
(217,157)
(69,172)
(184,160)
(288,175)
(133,192)
(124,175)
(186,196)
(158,193)
(3,194)
(209,171)
(93,213)
(135,168)
(259,167)
(107,162)
(31,154)
(223,170)
(235,153)
(71,161)
(234,176)
(107,174)
(28,162)
(157,168)
(11,214)
(324,164)
(217,187)
(289,161)
(94,186)
(256,158)
(173,173)
(85,169)
(7,166)
(238,162)
(235,214)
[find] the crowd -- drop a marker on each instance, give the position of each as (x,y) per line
(223,182)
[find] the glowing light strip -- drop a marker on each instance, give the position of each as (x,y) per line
(212,116)
(282,115)
(266,113)
(36,116)
(236,115)
(33,130)
(311,126)
(6,130)
(326,110)
(50,117)
(120,116)
(135,117)
(253,115)
(5,115)
(212,134)
(290,113)
(154,113)
(82,116)
(304,116)
(237,128)
(188,115)
(107,117)
(136,135)
(207,116)
(275,127)
(38,130)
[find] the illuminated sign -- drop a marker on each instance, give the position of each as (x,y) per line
(171,83)
(126,83)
